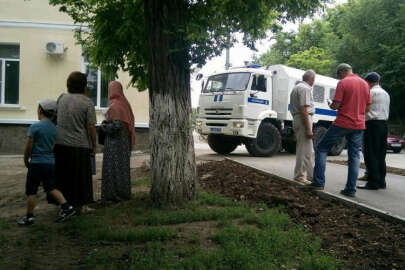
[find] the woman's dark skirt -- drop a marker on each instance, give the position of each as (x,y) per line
(73,174)
(116,185)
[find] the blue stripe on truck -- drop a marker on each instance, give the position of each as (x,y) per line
(325,112)
(258,101)
(322,111)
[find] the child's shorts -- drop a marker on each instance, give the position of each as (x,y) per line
(40,173)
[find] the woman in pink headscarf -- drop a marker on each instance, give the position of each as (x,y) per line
(119,141)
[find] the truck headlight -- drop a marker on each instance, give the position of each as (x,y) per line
(238,124)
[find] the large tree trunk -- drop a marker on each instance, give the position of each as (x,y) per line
(173,168)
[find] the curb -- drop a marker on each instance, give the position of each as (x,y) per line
(133,153)
(333,197)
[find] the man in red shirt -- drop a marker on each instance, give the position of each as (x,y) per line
(352,100)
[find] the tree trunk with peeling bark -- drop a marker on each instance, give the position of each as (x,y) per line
(173,169)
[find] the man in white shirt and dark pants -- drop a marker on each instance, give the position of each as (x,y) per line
(375,136)
(302,109)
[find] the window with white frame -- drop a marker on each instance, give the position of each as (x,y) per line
(97,83)
(319,93)
(9,73)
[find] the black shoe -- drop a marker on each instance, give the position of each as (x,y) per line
(383,186)
(367,186)
(347,193)
(26,221)
(314,187)
(65,214)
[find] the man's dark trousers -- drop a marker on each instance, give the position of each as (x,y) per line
(375,148)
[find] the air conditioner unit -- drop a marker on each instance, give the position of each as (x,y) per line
(54,48)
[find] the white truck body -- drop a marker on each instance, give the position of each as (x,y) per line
(236,102)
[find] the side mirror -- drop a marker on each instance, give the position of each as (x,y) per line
(199,76)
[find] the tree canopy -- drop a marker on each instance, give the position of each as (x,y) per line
(368,34)
(314,58)
(118,34)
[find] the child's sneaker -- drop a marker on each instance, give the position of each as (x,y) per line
(26,221)
(65,214)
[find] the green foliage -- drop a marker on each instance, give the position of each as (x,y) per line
(118,36)
(368,34)
(234,237)
(373,39)
(133,235)
(212,199)
(265,240)
(190,215)
(139,182)
(318,35)
(4,225)
(271,218)
(3,240)
(242,247)
(314,58)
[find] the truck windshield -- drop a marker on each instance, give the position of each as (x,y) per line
(227,82)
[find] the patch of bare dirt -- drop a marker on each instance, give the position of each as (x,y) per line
(12,185)
(35,247)
(361,240)
(392,170)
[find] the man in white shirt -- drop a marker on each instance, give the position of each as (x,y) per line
(375,136)
(302,109)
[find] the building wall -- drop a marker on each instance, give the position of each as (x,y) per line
(31,24)
(44,76)
(13,138)
(32,11)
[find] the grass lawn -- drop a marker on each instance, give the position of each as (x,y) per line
(210,233)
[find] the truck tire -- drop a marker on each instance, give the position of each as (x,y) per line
(267,142)
(290,147)
(336,150)
(222,144)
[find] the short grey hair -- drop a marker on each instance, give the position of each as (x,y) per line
(343,67)
(309,74)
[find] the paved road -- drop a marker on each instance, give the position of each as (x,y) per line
(390,200)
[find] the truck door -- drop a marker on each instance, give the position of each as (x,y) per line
(259,98)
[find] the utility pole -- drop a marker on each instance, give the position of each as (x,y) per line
(227,61)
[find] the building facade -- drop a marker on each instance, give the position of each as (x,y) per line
(37,52)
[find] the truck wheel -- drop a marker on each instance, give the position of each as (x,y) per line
(397,150)
(222,144)
(319,131)
(290,147)
(267,143)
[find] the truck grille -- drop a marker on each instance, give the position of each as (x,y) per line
(225,111)
(218,118)
(216,124)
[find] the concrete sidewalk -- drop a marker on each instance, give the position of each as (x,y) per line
(390,200)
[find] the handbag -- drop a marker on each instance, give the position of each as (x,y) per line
(100,134)
(110,128)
